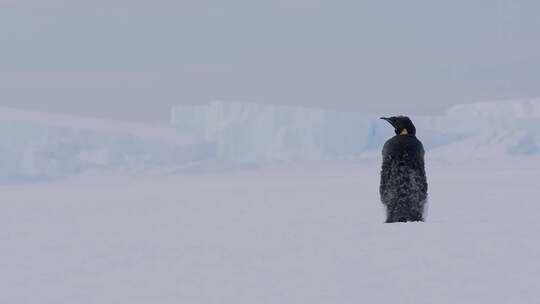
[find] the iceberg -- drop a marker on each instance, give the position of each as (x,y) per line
(251,132)
(228,135)
(37,146)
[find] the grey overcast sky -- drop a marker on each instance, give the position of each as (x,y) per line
(132,59)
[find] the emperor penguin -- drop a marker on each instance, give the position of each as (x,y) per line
(404,187)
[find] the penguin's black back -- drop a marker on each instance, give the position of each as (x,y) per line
(403,186)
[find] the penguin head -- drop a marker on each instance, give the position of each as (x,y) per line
(402,125)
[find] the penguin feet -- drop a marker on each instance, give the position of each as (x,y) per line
(403,218)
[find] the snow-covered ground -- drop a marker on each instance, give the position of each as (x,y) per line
(129,213)
(295,234)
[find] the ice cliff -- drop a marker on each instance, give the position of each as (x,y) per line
(36,146)
(220,134)
(259,132)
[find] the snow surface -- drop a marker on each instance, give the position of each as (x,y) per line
(277,235)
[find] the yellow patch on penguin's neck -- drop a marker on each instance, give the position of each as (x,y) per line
(404,132)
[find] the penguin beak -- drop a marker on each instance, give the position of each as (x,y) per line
(392,122)
(389,120)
